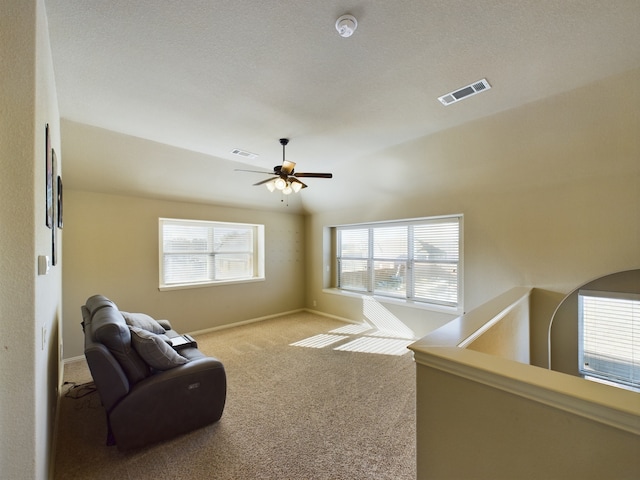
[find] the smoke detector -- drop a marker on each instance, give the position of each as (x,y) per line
(346,25)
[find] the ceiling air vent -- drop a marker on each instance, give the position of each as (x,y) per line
(464,92)
(244,154)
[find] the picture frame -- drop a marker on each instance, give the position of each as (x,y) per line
(60,203)
(54,246)
(48,179)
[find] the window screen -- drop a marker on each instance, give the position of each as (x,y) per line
(609,336)
(198,252)
(417,260)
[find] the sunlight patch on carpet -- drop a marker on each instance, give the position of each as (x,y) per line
(353,329)
(319,341)
(384,346)
(362,338)
(378,333)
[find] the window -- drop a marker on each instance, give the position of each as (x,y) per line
(609,336)
(199,253)
(417,260)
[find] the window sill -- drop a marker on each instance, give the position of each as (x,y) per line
(611,383)
(183,286)
(397,301)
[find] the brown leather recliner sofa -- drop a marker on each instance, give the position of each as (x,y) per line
(150,391)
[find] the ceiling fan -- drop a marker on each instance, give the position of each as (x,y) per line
(287,179)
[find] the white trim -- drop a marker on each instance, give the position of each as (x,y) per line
(65,361)
(633,296)
(397,301)
(258,253)
(407,299)
(403,221)
(595,344)
(182,286)
(243,322)
(334,317)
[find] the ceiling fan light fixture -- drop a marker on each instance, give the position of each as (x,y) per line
(280,183)
(271,185)
(286,178)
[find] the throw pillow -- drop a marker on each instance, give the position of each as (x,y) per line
(165,324)
(109,329)
(143,321)
(154,350)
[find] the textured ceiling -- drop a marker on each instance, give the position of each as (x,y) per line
(209,76)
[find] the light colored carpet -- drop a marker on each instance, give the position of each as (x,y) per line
(292,412)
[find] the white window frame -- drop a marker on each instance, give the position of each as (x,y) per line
(256,252)
(408,298)
(609,337)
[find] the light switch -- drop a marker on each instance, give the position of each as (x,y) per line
(43,264)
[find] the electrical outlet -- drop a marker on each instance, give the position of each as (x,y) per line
(44,336)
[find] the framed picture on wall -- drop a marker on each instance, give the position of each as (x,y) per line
(48,178)
(54,249)
(60,222)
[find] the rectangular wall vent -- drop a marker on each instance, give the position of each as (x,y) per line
(244,154)
(464,92)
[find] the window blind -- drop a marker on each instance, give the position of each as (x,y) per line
(417,260)
(609,336)
(194,252)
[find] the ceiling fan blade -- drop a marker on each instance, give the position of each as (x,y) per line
(254,171)
(263,182)
(314,175)
(287,167)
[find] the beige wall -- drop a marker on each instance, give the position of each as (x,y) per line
(111,248)
(29,303)
(561,207)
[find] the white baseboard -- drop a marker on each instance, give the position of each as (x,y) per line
(243,322)
(72,359)
(335,317)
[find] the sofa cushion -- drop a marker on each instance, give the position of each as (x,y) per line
(154,350)
(144,321)
(109,328)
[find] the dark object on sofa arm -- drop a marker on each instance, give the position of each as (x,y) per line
(145,404)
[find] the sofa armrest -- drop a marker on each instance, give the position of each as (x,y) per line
(109,378)
(170,402)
